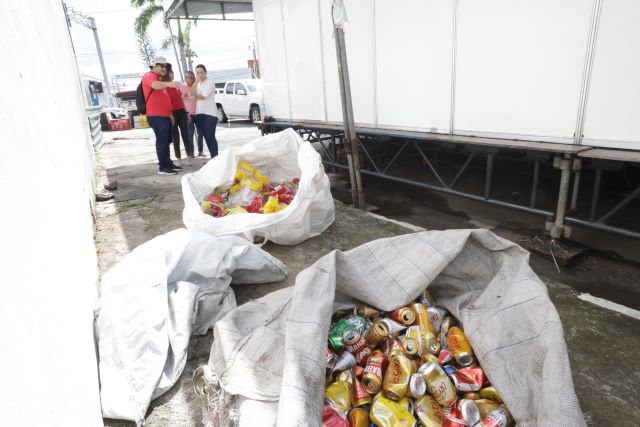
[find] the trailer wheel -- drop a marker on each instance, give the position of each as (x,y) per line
(254,114)
(222,117)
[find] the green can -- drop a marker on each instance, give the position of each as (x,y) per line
(337,331)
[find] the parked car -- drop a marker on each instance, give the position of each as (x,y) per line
(114,119)
(241,98)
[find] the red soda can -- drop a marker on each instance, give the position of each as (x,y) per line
(453,417)
(469,379)
(444,356)
(374,371)
(357,345)
(331,417)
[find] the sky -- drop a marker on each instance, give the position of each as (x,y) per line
(219,44)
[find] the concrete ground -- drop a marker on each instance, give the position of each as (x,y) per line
(603,344)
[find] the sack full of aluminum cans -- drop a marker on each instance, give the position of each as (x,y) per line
(412,366)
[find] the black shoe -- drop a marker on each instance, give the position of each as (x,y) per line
(167,171)
(175,167)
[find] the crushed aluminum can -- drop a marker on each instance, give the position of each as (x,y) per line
(356,345)
(429,412)
(389,413)
(448,322)
(422,317)
(460,347)
(417,386)
(428,357)
(404,316)
(486,406)
(359,417)
(444,356)
(449,369)
(331,358)
(336,333)
(360,396)
(471,395)
(427,299)
(453,417)
(469,379)
(374,372)
(436,314)
(331,417)
(396,379)
(338,395)
(490,393)
(376,333)
(393,326)
(438,384)
(417,335)
(497,418)
(346,361)
(409,346)
(366,311)
(469,410)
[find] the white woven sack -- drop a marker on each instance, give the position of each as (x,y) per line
(281,156)
(482,279)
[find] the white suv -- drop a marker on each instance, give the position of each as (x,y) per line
(241,98)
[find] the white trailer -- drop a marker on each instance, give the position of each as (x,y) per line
(547,80)
(533,70)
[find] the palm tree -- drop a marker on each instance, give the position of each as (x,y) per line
(151,10)
(186,36)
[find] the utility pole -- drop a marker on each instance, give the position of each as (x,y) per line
(90,23)
(255,61)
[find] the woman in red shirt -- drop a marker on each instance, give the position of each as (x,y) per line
(180,125)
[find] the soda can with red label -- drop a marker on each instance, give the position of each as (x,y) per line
(436,315)
(469,379)
(453,417)
(396,380)
(357,345)
(438,384)
(460,347)
(497,418)
(374,371)
(404,316)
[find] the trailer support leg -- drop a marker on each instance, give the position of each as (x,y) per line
(559,229)
(534,185)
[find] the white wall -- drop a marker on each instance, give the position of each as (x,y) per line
(613,105)
(48,262)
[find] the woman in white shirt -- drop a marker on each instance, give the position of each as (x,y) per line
(206,110)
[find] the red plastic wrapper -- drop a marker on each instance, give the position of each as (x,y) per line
(331,418)
(214,199)
(256,205)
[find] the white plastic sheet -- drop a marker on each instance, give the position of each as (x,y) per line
(155,298)
(482,279)
(281,156)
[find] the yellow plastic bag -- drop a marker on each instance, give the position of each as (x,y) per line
(272,205)
(235,210)
(248,176)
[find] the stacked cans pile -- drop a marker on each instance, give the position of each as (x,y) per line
(409,367)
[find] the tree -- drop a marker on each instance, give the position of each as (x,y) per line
(189,53)
(145,49)
(151,10)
